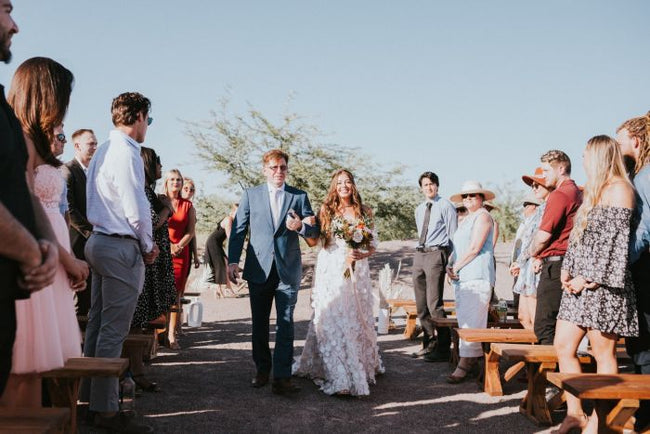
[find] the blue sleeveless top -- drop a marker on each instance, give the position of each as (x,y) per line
(482,266)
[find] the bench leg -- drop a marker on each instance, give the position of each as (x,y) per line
(513,370)
(492,381)
(64,392)
(409,331)
(534,405)
(613,421)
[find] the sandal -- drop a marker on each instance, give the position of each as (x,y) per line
(147,386)
(469,371)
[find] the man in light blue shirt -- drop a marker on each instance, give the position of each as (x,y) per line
(119,247)
(436,222)
(634,140)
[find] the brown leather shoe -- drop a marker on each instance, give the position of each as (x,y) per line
(283,386)
(260,380)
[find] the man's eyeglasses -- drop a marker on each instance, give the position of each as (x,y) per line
(465,196)
(60,137)
(149,120)
(282,168)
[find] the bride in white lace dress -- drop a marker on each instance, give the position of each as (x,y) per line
(341,353)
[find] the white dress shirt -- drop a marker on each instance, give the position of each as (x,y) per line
(116,202)
(272,190)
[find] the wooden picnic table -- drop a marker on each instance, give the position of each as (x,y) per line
(616,396)
(63,383)
(33,420)
(491,377)
(540,360)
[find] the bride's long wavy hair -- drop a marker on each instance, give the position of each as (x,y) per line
(605,162)
(332,204)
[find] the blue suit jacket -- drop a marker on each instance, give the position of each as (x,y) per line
(266,245)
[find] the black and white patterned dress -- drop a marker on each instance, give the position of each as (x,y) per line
(602,256)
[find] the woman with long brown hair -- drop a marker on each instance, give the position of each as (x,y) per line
(598,298)
(47,329)
(341,353)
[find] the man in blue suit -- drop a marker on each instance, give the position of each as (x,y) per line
(272,213)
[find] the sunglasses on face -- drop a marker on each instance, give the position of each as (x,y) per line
(149,120)
(158,160)
(282,168)
(535,185)
(60,137)
(465,196)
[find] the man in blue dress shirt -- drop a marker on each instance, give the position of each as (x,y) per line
(436,222)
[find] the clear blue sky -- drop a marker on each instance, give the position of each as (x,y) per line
(468,89)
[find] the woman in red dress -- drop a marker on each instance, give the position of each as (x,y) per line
(181,232)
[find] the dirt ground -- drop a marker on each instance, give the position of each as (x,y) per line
(205,386)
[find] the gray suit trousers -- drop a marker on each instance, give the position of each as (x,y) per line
(118,276)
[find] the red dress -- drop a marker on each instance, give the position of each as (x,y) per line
(178,223)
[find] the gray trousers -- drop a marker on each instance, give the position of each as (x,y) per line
(428,285)
(118,276)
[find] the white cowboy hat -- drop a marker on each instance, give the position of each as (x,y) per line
(472,187)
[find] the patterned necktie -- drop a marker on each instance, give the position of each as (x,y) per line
(425,225)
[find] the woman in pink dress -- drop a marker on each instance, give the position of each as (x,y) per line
(181,232)
(47,330)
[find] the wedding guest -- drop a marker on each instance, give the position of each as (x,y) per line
(633,137)
(23,223)
(461,211)
(341,353)
(159,292)
(39,95)
(527,278)
(181,231)
(117,250)
(435,219)
(598,297)
(489,206)
(471,269)
(74,171)
(215,255)
(188,194)
(551,239)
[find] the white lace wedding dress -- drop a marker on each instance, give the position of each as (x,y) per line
(341,353)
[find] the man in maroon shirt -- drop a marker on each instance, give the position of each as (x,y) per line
(552,239)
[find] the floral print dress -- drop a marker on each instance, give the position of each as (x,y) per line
(601,256)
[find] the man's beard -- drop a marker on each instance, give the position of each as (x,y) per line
(5,52)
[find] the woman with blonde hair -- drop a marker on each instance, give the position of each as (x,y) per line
(598,298)
(341,353)
(188,194)
(181,231)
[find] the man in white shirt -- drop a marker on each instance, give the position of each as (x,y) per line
(120,245)
(74,171)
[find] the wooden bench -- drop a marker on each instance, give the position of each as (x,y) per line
(624,389)
(452,323)
(491,377)
(63,383)
(33,420)
(540,360)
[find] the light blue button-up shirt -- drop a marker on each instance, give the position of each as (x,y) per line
(442,224)
(116,201)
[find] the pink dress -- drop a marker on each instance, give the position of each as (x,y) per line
(47,332)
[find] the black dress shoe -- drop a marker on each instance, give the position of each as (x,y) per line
(437,356)
(260,380)
(283,386)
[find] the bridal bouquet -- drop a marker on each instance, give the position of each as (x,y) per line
(356,234)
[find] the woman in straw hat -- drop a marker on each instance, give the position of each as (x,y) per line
(471,268)
(522,266)
(598,298)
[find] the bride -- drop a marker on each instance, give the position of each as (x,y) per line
(341,353)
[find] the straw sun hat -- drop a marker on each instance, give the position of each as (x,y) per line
(472,187)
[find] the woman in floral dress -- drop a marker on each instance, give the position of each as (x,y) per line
(341,353)
(598,298)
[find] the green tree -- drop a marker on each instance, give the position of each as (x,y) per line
(233,145)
